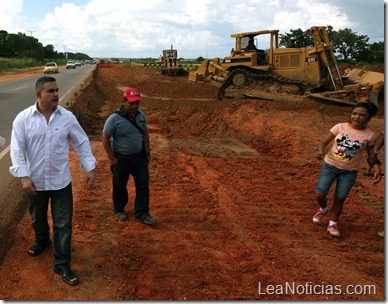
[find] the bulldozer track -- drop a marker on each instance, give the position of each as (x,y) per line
(255,76)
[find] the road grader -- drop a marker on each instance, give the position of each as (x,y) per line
(279,73)
(168,62)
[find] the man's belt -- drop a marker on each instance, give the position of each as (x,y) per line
(126,156)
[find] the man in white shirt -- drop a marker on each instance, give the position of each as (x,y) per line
(40,159)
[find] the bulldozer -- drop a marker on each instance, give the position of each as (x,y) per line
(279,73)
(168,62)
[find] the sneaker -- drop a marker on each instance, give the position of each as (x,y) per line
(333,229)
(121,216)
(380,233)
(148,220)
(317,218)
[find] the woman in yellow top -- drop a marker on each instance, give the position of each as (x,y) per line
(342,161)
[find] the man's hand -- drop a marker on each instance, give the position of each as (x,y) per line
(90,177)
(28,185)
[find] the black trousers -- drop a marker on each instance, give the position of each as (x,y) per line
(137,166)
(62,214)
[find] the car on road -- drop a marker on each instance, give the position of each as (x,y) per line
(70,65)
(51,67)
(77,63)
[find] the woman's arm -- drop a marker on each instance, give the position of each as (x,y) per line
(322,145)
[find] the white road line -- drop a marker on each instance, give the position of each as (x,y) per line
(18,88)
(65,94)
(4,152)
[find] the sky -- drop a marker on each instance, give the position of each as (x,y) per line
(143,28)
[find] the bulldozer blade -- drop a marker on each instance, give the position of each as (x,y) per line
(283,96)
(271,96)
(326,98)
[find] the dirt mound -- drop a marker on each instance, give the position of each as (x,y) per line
(232,184)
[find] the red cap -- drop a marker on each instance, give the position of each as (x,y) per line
(131,95)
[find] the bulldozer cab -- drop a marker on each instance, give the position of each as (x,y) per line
(244,40)
(247,53)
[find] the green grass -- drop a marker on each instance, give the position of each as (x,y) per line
(15,64)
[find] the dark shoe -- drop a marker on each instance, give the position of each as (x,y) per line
(148,220)
(37,248)
(68,276)
(121,216)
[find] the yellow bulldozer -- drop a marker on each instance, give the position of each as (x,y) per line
(279,73)
(168,62)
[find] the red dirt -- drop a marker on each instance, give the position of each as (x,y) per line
(232,184)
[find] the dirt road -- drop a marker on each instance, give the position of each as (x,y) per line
(232,184)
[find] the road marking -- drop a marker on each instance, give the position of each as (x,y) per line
(65,94)
(18,88)
(14,89)
(4,152)
(7,149)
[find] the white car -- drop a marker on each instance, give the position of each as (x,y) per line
(70,65)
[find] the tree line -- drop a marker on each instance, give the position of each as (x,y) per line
(22,46)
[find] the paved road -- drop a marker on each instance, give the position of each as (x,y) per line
(16,95)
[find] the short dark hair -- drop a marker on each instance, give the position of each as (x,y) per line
(370,107)
(42,80)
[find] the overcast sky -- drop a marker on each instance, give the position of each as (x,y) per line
(142,28)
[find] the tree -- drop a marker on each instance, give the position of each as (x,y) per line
(374,53)
(49,52)
(348,45)
(12,45)
(300,38)
(297,38)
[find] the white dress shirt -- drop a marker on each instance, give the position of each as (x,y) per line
(46,146)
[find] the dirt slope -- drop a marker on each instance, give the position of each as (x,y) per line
(232,184)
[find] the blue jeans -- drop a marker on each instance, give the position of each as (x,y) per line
(61,212)
(137,166)
(329,174)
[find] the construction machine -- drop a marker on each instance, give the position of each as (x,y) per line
(279,73)
(168,62)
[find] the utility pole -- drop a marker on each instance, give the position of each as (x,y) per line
(31,43)
(31,32)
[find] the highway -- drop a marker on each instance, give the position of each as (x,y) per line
(15,96)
